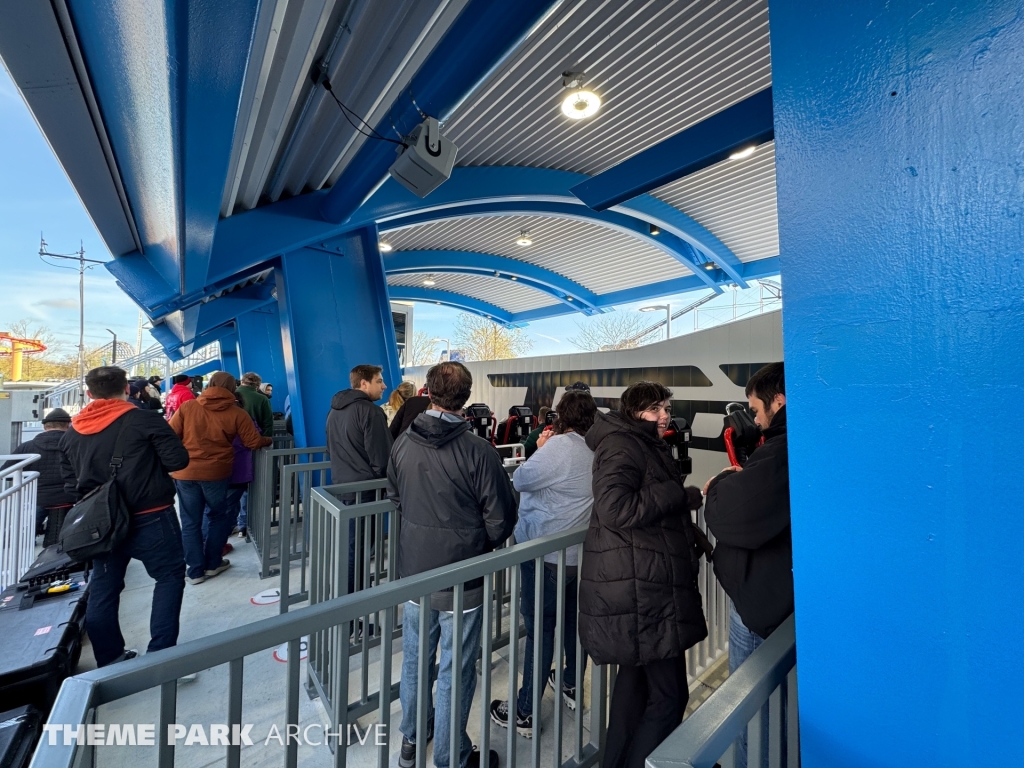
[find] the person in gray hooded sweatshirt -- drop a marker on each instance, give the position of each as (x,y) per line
(358,440)
(455,502)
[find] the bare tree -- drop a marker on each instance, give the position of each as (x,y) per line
(422,350)
(618,330)
(481,339)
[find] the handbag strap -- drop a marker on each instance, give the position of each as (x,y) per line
(118,457)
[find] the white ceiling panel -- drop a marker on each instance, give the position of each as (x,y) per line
(508,295)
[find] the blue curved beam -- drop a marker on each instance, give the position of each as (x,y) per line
(450,299)
(500,267)
(250,238)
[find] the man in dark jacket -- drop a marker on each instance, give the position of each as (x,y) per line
(456,502)
(150,451)
(358,440)
(407,414)
(747,509)
(257,405)
(52,500)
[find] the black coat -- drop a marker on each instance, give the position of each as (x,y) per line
(357,438)
(151,452)
(51,492)
(638,598)
(454,498)
(748,512)
(407,414)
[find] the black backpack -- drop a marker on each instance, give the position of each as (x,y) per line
(100,520)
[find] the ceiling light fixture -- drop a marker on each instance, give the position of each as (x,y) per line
(384,246)
(742,154)
(709,266)
(513,277)
(655,229)
(524,238)
(578,103)
(429,280)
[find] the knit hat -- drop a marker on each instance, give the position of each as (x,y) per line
(180,378)
(57,415)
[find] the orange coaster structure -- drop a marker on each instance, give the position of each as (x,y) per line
(15,348)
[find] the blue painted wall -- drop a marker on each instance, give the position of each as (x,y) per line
(900,138)
(260,350)
(335,314)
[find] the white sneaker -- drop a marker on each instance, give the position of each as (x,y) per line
(224,565)
(196,580)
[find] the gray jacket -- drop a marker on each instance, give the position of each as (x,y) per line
(556,491)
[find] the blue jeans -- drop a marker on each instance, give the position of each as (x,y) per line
(206,523)
(742,643)
(440,625)
(243,509)
(155,539)
(525,701)
(236,495)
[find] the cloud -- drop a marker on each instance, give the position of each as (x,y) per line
(58,303)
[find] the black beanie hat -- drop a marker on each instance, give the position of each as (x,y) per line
(56,415)
(180,378)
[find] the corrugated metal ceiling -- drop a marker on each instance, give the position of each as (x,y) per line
(506,294)
(598,258)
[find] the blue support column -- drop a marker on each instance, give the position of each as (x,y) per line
(899,130)
(335,314)
(229,355)
(260,350)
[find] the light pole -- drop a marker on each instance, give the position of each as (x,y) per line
(448,348)
(113,348)
(668,316)
(82,261)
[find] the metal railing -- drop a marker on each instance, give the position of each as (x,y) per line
(81,696)
(298,482)
(266,502)
(759,698)
(18,487)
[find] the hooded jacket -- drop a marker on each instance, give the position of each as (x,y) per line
(51,492)
(748,512)
(454,499)
(407,414)
(151,450)
(357,438)
(257,405)
(180,393)
(207,426)
(638,597)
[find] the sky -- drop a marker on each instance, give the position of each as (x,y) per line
(36,197)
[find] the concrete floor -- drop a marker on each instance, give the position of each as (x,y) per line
(225,602)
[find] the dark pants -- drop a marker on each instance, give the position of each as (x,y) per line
(234,498)
(647,705)
(206,523)
(525,702)
(155,539)
(40,519)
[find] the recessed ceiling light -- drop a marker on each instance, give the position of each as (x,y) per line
(384,246)
(578,103)
(655,229)
(710,266)
(513,277)
(524,238)
(742,154)
(429,280)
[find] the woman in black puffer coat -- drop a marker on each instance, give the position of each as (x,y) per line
(638,601)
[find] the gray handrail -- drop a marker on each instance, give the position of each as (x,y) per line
(705,736)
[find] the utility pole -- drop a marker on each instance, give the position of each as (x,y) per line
(113,348)
(79,256)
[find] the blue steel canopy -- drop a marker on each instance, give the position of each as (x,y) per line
(204,175)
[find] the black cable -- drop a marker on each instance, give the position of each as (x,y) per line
(346,110)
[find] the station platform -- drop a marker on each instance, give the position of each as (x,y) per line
(238,597)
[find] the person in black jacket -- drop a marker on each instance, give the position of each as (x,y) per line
(455,502)
(747,509)
(52,500)
(407,414)
(150,451)
(639,603)
(358,440)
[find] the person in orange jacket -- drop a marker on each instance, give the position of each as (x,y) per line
(208,426)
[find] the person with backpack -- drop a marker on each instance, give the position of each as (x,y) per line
(110,427)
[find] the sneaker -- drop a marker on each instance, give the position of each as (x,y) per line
(474,759)
(224,565)
(227,548)
(196,580)
(568,691)
(129,655)
(499,714)
(235,530)
(243,533)
(191,678)
(407,757)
